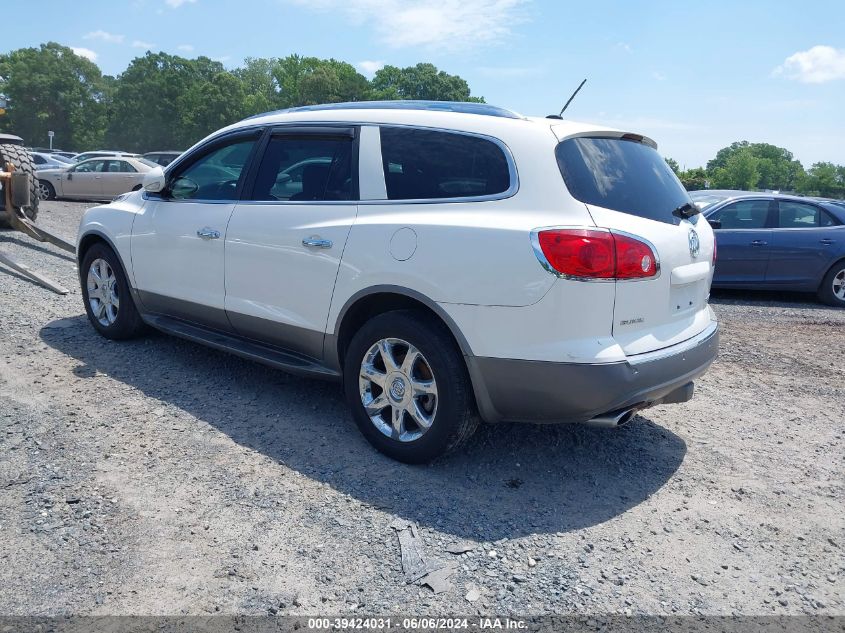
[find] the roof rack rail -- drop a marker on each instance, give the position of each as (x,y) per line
(463,107)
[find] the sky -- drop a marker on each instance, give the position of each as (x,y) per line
(693,76)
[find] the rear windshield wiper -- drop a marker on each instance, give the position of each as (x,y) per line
(686,211)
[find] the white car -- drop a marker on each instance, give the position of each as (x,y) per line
(93,179)
(446,262)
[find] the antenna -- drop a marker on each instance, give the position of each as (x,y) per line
(566,105)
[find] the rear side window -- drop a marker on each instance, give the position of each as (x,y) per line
(622,175)
(430,164)
(797,215)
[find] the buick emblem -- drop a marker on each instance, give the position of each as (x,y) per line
(694,244)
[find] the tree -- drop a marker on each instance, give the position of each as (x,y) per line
(825,179)
(740,171)
(422,81)
(310,80)
(694,179)
(148,107)
(52,88)
(164,101)
(261,90)
(210,105)
(673,165)
(776,168)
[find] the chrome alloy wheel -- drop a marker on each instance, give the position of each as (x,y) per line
(43,191)
(103,292)
(839,285)
(398,389)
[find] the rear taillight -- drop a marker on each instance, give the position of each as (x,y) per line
(596,254)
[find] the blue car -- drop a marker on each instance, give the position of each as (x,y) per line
(777,242)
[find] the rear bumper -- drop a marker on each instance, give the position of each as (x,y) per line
(536,391)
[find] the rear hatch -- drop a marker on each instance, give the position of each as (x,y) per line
(628,188)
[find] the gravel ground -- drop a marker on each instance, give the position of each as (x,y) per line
(160,477)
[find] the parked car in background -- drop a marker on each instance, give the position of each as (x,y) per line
(93,179)
(69,155)
(102,153)
(48,161)
(443,260)
(162,158)
(775,241)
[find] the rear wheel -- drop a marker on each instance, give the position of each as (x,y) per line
(408,387)
(105,291)
(832,290)
(20,158)
(46,191)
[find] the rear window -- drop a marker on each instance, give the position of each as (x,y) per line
(430,164)
(622,175)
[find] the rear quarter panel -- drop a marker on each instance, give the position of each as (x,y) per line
(473,253)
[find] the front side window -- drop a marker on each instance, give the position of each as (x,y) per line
(622,175)
(745,214)
(424,164)
(306,168)
(215,175)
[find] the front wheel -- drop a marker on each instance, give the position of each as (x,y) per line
(832,290)
(105,291)
(408,387)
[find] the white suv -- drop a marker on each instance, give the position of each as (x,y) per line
(445,261)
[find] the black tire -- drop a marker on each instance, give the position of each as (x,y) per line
(826,293)
(20,158)
(455,417)
(128,323)
(51,190)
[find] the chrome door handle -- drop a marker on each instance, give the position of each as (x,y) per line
(208,234)
(826,241)
(317,242)
(758,243)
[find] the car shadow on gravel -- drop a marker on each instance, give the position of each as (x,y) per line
(766,298)
(509,481)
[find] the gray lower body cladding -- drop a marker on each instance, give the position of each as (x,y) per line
(537,391)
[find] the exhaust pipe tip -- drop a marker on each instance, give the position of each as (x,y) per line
(612,419)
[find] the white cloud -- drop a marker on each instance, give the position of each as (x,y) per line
(87,53)
(659,76)
(185,47)
(816,65)
(141,44)
(105,36)
(623,46)
(445,24)
(369,67)
(175,4)
(221,58)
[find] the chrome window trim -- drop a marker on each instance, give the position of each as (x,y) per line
(541,256)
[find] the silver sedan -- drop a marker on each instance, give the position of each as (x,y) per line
(93,179)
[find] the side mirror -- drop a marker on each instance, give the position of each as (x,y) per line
(716,224)
(183,188)
(154,180)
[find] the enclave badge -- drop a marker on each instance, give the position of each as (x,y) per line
(694,244)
